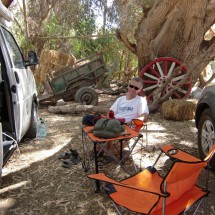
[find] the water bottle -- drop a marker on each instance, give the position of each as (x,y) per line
(41,129)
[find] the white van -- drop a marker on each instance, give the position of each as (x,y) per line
(18,95)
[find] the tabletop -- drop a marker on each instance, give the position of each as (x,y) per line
(127,135)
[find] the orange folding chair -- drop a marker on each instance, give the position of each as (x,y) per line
(150,193)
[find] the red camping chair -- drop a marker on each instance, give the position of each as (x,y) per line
(149,193)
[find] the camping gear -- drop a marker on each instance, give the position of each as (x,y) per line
(108,128)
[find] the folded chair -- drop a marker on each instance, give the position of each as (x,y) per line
(150,193)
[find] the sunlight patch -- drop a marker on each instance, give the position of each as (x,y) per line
(6,203)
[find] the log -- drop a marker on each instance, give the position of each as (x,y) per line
(76,108)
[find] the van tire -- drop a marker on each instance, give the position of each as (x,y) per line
(32,131)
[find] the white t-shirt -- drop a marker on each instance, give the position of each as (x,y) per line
(129,109)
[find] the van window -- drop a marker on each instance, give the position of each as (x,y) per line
(16,55)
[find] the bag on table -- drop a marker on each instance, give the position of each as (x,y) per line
(108,128)
(90,119)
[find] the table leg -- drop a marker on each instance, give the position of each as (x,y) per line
(121,148)
(97,188)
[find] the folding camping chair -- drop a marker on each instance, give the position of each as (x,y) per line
(149,193)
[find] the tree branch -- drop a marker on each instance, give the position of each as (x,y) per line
(74,37)
(124,39)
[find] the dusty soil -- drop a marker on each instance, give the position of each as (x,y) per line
(34,181)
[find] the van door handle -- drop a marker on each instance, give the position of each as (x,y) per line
(13,88)
(16,77)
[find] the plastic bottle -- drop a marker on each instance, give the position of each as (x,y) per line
(41,129)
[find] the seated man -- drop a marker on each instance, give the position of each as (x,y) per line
(128,107)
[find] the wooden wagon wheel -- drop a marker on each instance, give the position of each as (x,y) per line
(155,74)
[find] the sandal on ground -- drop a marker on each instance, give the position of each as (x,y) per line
(67,155)
(70,162)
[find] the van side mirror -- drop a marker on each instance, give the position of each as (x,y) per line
(32,58)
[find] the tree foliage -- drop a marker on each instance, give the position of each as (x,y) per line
(148,29)
(36,20)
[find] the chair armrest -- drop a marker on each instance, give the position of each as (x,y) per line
(104,178)
(176,153)
(138,124)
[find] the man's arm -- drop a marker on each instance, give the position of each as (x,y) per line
(143,117)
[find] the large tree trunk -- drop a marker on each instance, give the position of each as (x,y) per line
(175,29)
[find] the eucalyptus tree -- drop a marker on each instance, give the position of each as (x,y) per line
(38,19)
(164,28)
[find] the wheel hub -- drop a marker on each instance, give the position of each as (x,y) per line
(161,81)
(208,136)
(86,98)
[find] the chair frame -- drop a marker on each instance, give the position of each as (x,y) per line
(177,156)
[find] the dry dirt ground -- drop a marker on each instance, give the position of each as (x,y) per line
(34,181)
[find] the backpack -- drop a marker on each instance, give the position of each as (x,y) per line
(108,128)
(90,119)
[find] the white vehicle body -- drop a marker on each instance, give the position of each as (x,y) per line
(18,95)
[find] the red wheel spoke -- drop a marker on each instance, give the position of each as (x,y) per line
(176,95)
(150,82)
(149,97)
(165,68)
(155,72)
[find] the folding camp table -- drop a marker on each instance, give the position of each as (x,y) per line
(86,131)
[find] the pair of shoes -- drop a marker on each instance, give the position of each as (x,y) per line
(106,159)
(67,155)
(98,153)
(70,162)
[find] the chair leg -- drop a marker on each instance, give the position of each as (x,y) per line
(115,206)
(87,163)
(157,158)
(198,207)
(146,129)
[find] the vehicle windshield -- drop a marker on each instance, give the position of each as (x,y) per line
(16,55)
